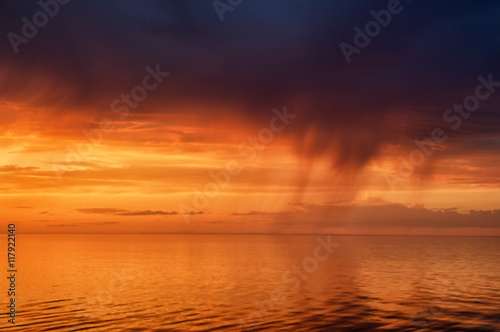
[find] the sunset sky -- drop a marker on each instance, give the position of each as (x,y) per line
(77,157)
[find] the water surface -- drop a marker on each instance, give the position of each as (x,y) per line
(255,282)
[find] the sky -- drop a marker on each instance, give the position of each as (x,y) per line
(295,117)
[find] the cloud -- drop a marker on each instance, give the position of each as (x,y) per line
(346,111)
(251,213)
(60,225)
(218,222)
(146,213)
(122,212)
(100,211)
(388,215)
(100,223)
(194,212)
(16,168)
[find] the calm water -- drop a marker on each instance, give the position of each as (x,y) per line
(259,283)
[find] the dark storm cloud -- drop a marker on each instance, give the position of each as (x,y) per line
(265,54)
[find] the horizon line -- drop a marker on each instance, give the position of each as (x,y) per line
(274,234)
